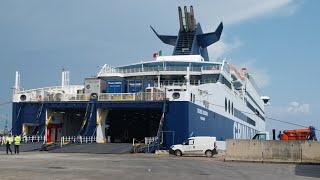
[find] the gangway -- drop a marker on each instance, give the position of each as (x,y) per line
(152,143)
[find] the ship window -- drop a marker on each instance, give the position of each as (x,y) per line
(226,82)
(225,105)
(191,97)
(191,142)
(232,109)
(194,98)
(212,78)
(229,106)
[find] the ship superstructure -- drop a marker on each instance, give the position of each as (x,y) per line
(170,98)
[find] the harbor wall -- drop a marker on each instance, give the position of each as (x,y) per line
(273,151)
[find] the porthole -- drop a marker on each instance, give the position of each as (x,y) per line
(94,96)
(176,95)
(23,97)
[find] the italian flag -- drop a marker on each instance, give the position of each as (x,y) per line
(155,55)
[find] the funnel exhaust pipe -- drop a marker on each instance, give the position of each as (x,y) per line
(180,19)
(186,17)
(192,20)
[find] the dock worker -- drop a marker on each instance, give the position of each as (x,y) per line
(17,141)
(8,143)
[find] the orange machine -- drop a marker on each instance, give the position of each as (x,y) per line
(299,134)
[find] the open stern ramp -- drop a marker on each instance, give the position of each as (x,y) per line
(117,121)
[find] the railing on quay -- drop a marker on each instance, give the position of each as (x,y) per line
(77,139)
(33,138)
(144,145)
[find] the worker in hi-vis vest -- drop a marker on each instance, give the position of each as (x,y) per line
(17,141)
(8,142)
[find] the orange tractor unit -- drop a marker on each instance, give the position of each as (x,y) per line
(299,134)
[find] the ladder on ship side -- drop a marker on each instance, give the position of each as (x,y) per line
(15,122)
(37,120)
(87,116)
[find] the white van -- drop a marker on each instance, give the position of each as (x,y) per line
(200,145)
(262,135)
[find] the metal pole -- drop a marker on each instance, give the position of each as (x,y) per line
(133,145)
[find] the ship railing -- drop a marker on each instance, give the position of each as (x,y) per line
(182,83)
(126,70)
(141,96)
(33,138)
(70,88)
(75,97)
(116,96)
(58,97)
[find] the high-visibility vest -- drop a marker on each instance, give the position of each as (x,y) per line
(9,140)
(17,140)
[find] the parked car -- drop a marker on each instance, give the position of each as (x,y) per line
(200,145)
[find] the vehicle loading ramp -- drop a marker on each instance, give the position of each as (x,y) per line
(25,147)
(95,148)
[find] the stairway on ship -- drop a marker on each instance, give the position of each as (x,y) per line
(184,43)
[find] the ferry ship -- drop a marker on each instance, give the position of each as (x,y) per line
(167,99)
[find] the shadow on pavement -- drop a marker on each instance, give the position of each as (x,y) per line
(308,170)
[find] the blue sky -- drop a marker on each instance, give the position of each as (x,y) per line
(277,40)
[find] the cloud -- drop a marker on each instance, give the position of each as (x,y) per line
(239,12)
(253,9)
(234,11)
(295,107)
(293,115)
(220,48)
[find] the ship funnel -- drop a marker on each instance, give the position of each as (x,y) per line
(180,19)
(190,40)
